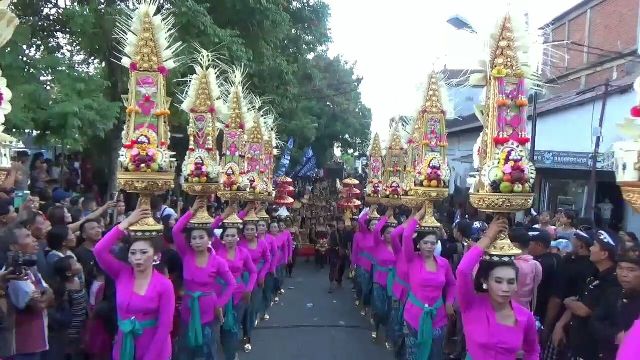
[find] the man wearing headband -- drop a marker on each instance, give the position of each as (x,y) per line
(581,340)
(619,309)
(574,271)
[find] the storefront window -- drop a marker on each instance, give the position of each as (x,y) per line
(566,194)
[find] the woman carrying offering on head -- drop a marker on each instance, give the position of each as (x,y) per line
(244,272)
(258,250)
(431,292)
(202,306)
(145,298)
(384,258)
(495,327)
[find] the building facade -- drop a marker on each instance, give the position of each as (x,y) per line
(594,41)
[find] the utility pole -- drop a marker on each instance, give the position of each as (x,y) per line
(591,189)
(534,127)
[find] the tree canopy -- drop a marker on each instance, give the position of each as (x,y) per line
(59,65)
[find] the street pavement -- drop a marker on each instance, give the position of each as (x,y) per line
(310,324)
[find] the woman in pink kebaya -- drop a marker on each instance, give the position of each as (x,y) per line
(431,292)
(244,272)
(145,298)
(362,246)
(202,305)
(496,327)
(261,257)
(384,260)
(268,290)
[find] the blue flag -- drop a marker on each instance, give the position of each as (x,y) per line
(308,166)
(284,161)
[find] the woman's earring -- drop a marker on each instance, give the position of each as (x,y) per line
(484,286)
(156,260)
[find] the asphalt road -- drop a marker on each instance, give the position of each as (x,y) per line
(310,324)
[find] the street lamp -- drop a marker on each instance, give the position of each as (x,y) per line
(461,23)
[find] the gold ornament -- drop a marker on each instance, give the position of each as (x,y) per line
(631,193)
(232,221)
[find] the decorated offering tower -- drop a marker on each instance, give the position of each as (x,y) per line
(8,23)
(349,195)
(428,151)
(375,187)
(232,161)
(395,167)
(146,166)
(284,190)
(258,156)
(201,167)
(390,174)
(506,175)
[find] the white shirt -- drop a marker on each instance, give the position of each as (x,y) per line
(165,210)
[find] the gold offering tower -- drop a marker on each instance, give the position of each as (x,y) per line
(428,151)
(201,167)
(232,161)
(506,176)
(258,155)
(390,177)
(375,187)
(146,166)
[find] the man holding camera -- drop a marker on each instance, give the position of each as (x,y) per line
(28,296)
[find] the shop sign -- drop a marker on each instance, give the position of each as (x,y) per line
(572,160)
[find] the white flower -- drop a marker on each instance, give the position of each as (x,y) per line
(5,97)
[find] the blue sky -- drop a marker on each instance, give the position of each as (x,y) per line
(395,44)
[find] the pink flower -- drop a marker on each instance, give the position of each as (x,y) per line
(146,105)
(133,66)
(163,70)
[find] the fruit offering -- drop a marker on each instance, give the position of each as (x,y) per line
(512,173)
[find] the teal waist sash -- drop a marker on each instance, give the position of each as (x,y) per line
(368,256)
(391,278)
(132,328)
(230,320)
(390,270)
(425,331)
(195,326)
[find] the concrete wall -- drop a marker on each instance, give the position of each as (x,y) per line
(571,129)
(461,144)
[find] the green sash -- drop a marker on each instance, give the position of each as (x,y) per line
(132,328)
(195,326)
(425,331)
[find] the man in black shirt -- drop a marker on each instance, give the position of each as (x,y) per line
(539,242)
(581,341)
(339,241)
(619,308)
(573,273)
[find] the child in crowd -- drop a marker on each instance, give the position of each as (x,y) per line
(98,340)
(67,319)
